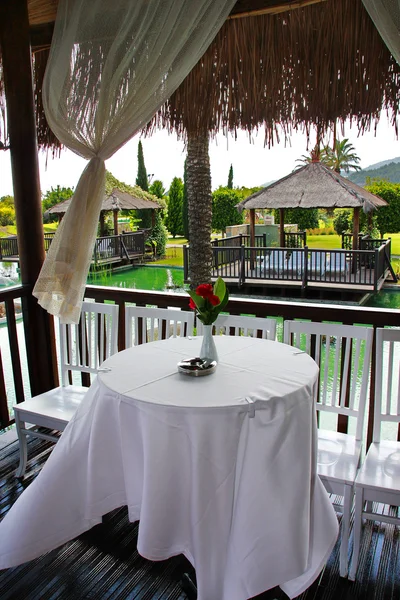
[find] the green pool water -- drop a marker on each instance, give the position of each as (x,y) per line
(385,299)
(166,279)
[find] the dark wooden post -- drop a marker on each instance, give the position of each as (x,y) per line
(115,214)
(17,73)
(356,227)
(252,236)
(282,227)
(102,226)
(356,231)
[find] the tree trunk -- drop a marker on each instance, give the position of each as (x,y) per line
(199,209)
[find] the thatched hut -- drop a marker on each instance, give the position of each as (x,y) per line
(115,201)
(312,186)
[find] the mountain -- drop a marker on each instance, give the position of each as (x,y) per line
(387,169)
(383,163)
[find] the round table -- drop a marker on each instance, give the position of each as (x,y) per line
(220,468)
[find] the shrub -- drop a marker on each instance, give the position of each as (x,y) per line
(343,222)
(7,215)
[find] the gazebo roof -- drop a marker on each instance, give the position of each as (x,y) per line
(117,200)
(313,186)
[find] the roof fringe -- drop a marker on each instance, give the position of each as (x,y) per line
(293,71)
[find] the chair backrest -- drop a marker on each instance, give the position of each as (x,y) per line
(296,261)
(150,324)
(246,326)
(343,354)
(337,262)
(387,380)
(83,347)
(318,262)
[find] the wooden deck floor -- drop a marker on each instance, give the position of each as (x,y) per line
(103,563)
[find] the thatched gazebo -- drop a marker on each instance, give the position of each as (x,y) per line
(115,201)
(311,186)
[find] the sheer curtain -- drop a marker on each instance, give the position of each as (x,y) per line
(386,16)
(112,64)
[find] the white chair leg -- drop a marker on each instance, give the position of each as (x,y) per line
(359,501)
(344,542)
(23,446)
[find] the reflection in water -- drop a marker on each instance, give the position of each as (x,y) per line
(385,299)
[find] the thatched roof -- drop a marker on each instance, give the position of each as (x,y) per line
(117,200)
(280,70)
(313,186)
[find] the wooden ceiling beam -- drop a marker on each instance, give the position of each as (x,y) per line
(271,9)
(41,36)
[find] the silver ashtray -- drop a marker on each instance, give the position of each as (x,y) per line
(197,367)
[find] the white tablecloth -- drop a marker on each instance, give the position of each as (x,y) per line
(220,468)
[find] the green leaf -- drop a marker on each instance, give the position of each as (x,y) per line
(224,301)
(220,288)
(198,300)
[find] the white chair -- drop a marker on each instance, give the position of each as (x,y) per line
(337,265)
(378,480)
(246,326)
(318,262)
(276,264)
(343,354)
(296,262)
(83,348)
(149,324)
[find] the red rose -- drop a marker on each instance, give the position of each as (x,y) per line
(205,290)
(192,304)
(214,300)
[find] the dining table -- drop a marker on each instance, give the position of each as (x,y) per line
(221,468)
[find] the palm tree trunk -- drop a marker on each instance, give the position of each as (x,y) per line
(199,209)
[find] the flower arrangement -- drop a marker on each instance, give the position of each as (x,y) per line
(208,300)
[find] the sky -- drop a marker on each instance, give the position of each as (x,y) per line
(164,156)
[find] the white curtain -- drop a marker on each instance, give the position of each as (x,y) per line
(386,16)
(112,64)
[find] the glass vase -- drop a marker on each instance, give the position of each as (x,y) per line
(208,350)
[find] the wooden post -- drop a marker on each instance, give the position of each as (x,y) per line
(252,228)
(356,227)
(102,226)
(153,217)
(115,213)
(282,227)
(17,74)
(356,230)
(252,236)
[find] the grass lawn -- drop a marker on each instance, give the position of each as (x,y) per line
(395,242)
(173,258)
(177,240)
(328,242)
(335,241)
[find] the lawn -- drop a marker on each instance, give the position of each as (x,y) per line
(330,242)
(173,257)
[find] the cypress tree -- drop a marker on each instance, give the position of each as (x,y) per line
(185,218)
(174,218)
(230,178)
(141,179)
(143,182)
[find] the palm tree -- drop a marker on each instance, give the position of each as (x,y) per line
(314,156)
(199,208)
(342,157)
